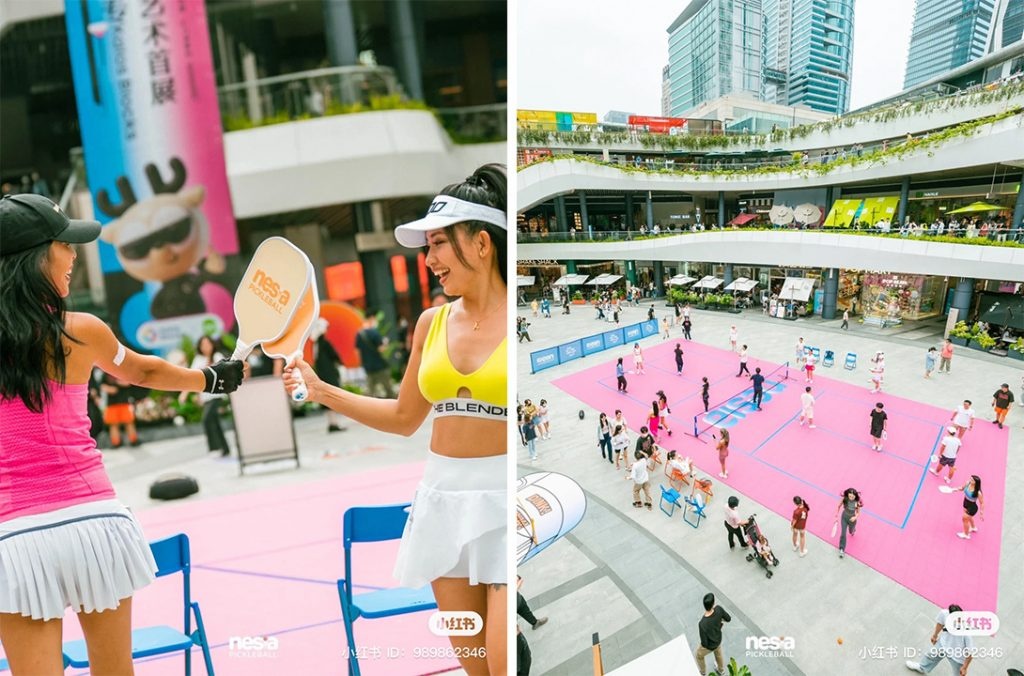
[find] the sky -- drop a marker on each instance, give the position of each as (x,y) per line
(600,55)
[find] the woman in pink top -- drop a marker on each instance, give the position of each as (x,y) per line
(65,540)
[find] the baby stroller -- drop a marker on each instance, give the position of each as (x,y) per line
(760,549)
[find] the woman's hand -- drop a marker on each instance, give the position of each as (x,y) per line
(292,380)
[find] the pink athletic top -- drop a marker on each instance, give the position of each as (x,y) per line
(48,460)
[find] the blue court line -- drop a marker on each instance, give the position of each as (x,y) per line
(272,551)
(273,576)
(822,490)
(735,409)
(772,435)
(924,475)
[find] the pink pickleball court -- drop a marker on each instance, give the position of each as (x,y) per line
(907,529)
(265,564)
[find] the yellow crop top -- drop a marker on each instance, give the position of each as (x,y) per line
(440,382)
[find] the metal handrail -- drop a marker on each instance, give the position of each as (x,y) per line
(305,75)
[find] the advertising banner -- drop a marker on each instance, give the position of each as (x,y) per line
(543,359)
(650,327)
(613,338)
(154,155)
(592,344)
(570,351)
(633,333)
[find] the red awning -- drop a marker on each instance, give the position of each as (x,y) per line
(743,219)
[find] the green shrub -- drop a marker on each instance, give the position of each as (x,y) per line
(985,341)
(960,330)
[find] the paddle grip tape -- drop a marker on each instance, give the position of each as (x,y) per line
(121,354)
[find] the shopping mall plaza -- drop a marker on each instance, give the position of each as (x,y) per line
(907,216)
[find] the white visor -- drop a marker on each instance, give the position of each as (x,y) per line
(445,211)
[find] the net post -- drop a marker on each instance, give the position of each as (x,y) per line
(695,432)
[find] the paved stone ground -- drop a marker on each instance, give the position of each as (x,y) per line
(637,577)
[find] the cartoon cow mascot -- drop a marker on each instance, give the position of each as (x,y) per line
(165,239)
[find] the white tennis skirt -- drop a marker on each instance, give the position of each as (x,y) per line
(87,557)
(457,523)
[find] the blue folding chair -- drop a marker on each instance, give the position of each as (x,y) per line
(698,507)
(375,524)
(172,556)
(816,352)
(671,496)
(830,358)
(3,665)
(851,361)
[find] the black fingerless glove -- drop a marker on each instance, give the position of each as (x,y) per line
(224,377)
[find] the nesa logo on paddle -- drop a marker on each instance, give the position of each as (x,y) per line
(252,646)
(269,290)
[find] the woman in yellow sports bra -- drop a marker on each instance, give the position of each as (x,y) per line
(456,533)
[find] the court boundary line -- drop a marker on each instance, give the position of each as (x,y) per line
(275,576)
(924,475)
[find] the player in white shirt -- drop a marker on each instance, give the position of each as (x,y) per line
(963,418)
(950,446)
(807,408)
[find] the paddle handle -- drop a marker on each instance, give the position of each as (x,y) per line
(301,392)
(242,350)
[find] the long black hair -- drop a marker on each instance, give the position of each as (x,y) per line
(31,328)
(487,186)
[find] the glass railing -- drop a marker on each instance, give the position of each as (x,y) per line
(309,94)
(475,124)
(986,235)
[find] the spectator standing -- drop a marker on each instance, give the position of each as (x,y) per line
(646,442)
(723,450)
(848,511)
(640,473)
(120,411)
(879,426)
(535,307)
(679,359)
(620,444)
(743,362)
(679,314)
(963,418)
(800,353)
(620,375)
(959,650)
(972,498)
(705,386)
(846,320)
(930,357)
(620,419)
(733,522)
(604,436)
(371,345)
(207,355)
(807,408)
(638,359)
(523,329)
(1002,401)
(733,337)
(946,356)
(530,434)
(545,308)
(686,311)
(710,629)
(687,325)
(326,362)
(544,422)
(798,522)
(950,446)
(758,380)
(664,328)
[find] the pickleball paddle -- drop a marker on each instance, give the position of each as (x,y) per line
(290,344)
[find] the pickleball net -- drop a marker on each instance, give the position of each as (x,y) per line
(721,411)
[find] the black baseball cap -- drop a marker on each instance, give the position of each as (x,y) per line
(28,220)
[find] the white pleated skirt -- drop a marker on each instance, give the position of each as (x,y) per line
(457,523)
(87,557)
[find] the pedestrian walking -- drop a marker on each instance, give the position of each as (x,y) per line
(733,522)
(679,359)
(743,362)
(524,657)
(798,524)
(758,380)
(604,437)
(530,434)
(950,447)
(963,418)
(664,410)
(664,328)
(879,426)
(640,473)
(800,353)
(930,358)
(809,367)
(544,425)
(654,421)
(846,320)
(679,314)
(710,630)
(523,608)
(650,313)
(972,499)
(686,311)
(733,337)
(687,325)
(704,392)
(638,359)
(958,649)
(620,443)
(1002,401)
(620,374)
(723,450)
(545,308)
(946,356)
(846,513)
(877,372)
(807,408)
(534,306)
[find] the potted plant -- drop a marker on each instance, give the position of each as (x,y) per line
(577,298)
(735,669)
(961,333)
(982,341)
(1016,350)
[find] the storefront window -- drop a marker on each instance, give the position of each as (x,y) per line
(888,299)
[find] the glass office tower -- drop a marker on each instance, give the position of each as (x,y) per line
(946,34)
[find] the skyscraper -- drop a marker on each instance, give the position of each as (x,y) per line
(714,49)
(1008,25)
(666,89)
(946,34)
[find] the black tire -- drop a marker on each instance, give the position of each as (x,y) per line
(769,574)
(173,487)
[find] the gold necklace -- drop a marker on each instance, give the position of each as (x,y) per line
(476,322)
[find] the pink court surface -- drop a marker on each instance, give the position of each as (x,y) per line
(907,528)
(265,563)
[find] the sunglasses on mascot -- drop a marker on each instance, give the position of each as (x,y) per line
(174,233)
